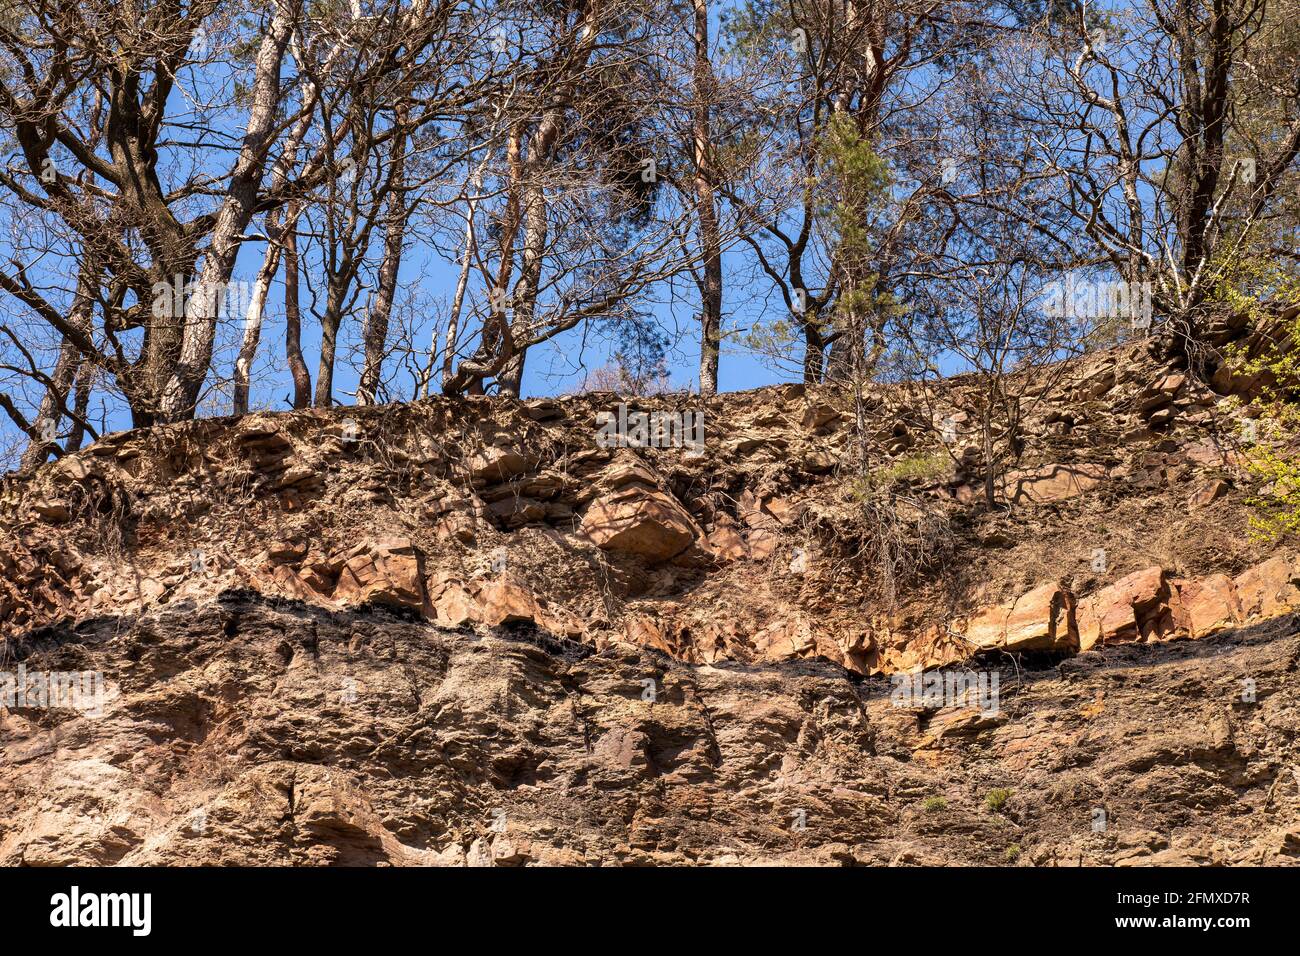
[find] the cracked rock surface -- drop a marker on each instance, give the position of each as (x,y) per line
(254,731)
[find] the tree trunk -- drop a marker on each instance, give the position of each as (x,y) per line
(182,393)
(376,336)
(85,378)
(536,229)
(253,320)
(275,236)
(839,363)
(814,349)
(50,413)
(705,209)
(68,368)
(329,336)
(462,281)
(293,321)
(524,301)
(1203,118)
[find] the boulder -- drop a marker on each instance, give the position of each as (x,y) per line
(454,607)
(517,512)
(762,543)
(457,525)
(507,600)
(53,510)
(1268,589)
(799,635)
(284,580)
(496,464)
(642,521)
(647,631)
(1206,605)
(628,469)
(818,415)
(726,544)
(390,571)
(1208,493)
(752,510)
(282,551)
(1098,381)
(1134,608)
(1040,620)
(1054,482)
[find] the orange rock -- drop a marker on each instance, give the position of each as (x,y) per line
(780,509)
(641,521)
(1041,619)
(726,544)
(646,631)
(1135,608)
(454,607)
(284,580)
(1268,589)
(1206,605)
(1208,493)
(458,525)
(387,572)
(762,543)
(787,637)
(497,464)
(560,622)
(507,601)
(1054,482)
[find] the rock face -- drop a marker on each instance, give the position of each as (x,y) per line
(1268,589)
(1041,620)
(1054,482)
(1134,608)
(391,571)
(640,521)
(248,731)
(356,639)
(483,514)
(1207,605)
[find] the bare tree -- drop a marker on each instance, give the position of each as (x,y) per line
(1141,117)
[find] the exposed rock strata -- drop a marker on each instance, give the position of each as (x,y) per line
(251,732)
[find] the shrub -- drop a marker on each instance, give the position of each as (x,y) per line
(996,798)
(1271,456)
(918,466)
(934,804)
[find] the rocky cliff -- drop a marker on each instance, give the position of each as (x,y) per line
(470,632)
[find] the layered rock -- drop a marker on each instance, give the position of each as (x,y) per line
(1040,620)
(640,521)
(390,571)
(251,732)
(756,551)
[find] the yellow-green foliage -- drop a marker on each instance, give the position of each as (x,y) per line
(1277,469)
(934,804)
(918,466)
(1271,459)
(997,798)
